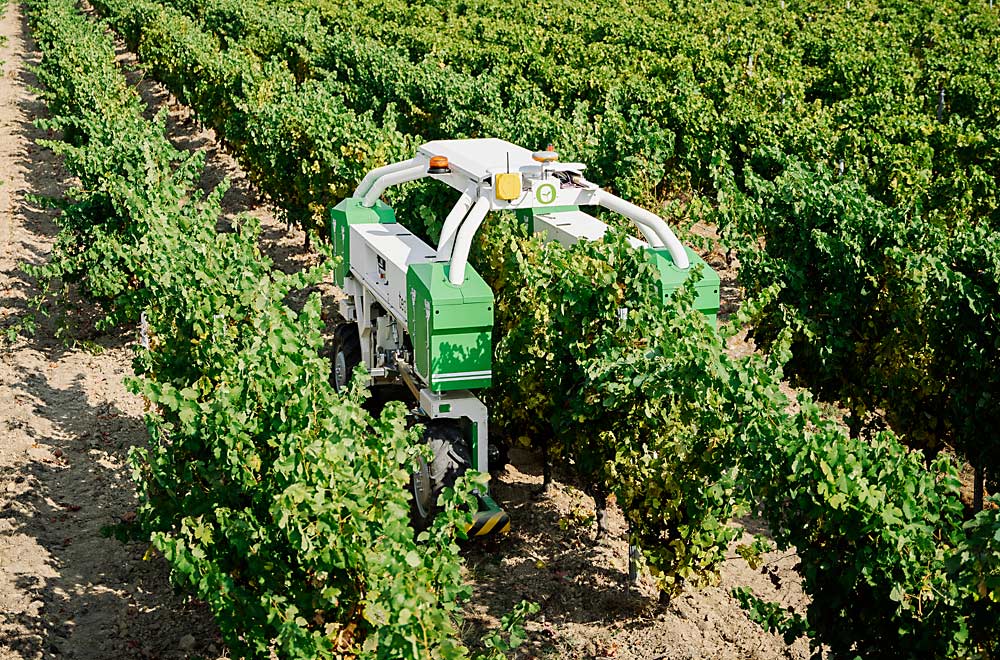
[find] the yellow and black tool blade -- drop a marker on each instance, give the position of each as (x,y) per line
(489,522)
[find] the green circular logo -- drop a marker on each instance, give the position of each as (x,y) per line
(545,193)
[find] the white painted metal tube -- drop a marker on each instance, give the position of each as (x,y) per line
(371,177)
(451,225)
(642,216)
(463,242)
(648,233)
(393,179)
(638,215)
(645,227)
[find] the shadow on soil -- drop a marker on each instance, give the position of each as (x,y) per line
(98,598)
(552,556)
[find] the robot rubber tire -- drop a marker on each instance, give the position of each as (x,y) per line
(451,458)
(346,354)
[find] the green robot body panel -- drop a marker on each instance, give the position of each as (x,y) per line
(451,327)
(672,278)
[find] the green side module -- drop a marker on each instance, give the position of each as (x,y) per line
(672,278)
(342,216)
(451,327)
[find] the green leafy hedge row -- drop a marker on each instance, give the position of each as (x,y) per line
(707,97)
(279,503)
(889,310)
(301,143)
(589,323)
(686,437)
(653,409)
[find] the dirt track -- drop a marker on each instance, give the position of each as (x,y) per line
(67,424)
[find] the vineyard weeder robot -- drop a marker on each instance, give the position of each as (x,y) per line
(422,317)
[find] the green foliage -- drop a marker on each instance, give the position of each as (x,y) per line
(752,552)
(880,539)
(511,634)
(278,502)
(878,281)
(771,616)
(640,411)
(653,409)
(844,294)
(887,310)
(723,77)
(976,565)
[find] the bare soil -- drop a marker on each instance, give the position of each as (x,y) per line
(67,423)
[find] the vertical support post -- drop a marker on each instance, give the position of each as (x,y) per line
(633,564)
(143,331)
(979,485)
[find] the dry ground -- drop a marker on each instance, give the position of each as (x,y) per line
(67,423)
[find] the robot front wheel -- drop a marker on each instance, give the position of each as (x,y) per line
(346,354)
(450,459)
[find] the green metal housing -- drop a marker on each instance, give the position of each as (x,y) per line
(672,278)
(350,212)
(451,327)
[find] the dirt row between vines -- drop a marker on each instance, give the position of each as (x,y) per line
(68,423)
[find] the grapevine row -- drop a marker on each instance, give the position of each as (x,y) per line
(653,409)
(279,503)
(686,436)
(892,316)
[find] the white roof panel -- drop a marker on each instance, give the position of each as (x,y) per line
(480,157)
(395,243)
